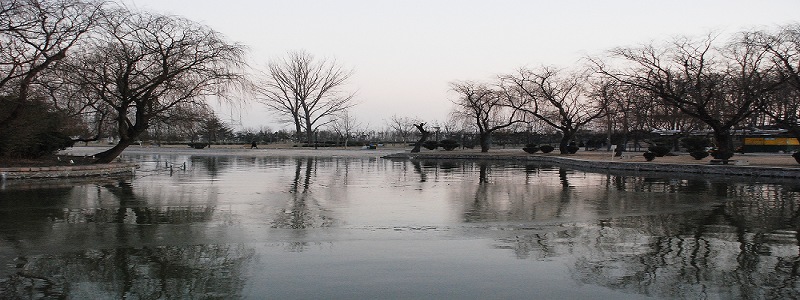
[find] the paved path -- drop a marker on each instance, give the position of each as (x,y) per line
(758,165)
(752,159)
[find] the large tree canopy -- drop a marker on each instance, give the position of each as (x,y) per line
(722,86)
(145,67)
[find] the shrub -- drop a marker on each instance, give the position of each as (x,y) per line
(649,156)
(572,149)
(698,155)
(35,146)
(320,145)
(36,131)
(430,145)
(48,143)
(449,145)
(724,155)
(198,145)
(531,148)
(659,151)
(546,148)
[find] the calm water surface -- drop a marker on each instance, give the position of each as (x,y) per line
(355,226)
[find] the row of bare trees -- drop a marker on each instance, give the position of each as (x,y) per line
(685,85)
(565,101)
(86,68)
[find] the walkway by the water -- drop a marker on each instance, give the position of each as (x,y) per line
(66,171)
(749,159)
(760,164)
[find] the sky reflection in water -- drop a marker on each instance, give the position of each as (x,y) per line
(365,227)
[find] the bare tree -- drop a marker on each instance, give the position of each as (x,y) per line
(344,125)
(565,102)
(720,86)
(488,109)
(307,91)
(402,127)
(147,67)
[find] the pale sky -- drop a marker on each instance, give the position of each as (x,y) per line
(405,53)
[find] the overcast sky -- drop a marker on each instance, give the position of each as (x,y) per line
(404,53)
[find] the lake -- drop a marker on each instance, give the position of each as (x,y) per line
(283,224)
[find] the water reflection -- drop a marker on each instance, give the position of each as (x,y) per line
(213,165)
(418,169)
(88,242)
(240,226)
(303,209)
(30,209)
(199,271)
(742,247)
(654,236)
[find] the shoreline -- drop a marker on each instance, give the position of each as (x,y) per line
(78,171)
(769,165)
(755,165)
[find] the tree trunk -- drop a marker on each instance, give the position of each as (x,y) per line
(127,136)
(110,154)
(418,144)
(609,133)
(724,143)
(298,131)
(425,134)
(485,140)
(310,137)
(563,146)
(723,140)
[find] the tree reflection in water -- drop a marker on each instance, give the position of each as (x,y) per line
(304,210)
(641,234)
(744,246)
(479,209)
(120,266)
(418,169)
(199,271)
(212,164)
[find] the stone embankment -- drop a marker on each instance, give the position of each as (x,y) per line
(602,162)
(67,171)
